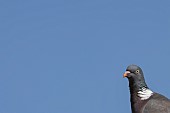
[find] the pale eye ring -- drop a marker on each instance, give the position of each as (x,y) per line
(137,71)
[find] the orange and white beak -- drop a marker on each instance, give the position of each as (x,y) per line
(126,73)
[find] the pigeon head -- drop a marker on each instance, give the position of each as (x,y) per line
(133,72)
(135,76)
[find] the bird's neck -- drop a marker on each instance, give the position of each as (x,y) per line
(137,85)
(139,95)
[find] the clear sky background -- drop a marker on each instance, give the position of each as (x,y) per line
(68,56)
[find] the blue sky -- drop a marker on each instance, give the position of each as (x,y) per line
(68,56)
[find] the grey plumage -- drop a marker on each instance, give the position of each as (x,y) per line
(157,104)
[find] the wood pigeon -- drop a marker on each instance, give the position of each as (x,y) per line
(144,100)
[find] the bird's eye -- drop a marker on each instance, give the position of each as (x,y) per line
(137,71)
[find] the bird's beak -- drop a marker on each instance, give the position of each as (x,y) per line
(126,73)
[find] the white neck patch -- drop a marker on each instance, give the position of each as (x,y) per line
(145,93)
